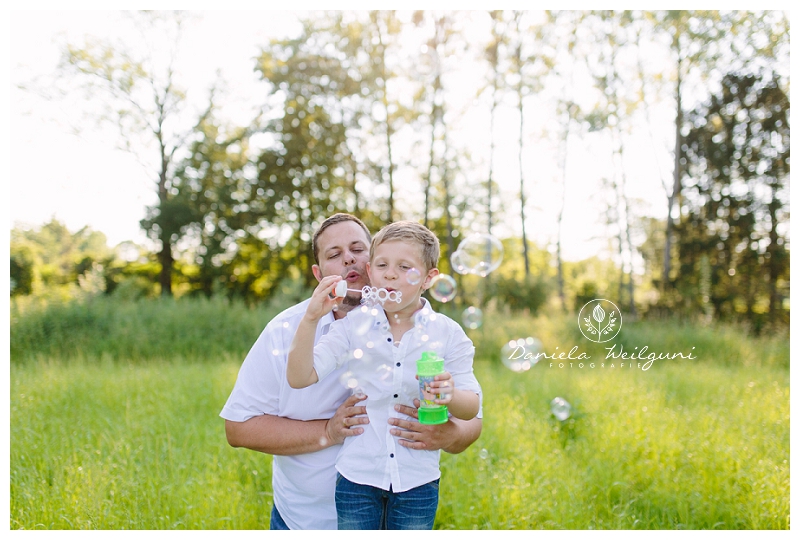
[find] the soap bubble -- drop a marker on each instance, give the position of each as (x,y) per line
(413,276)
(348,380)
(421,319)
(443,288)
(479,254)
(484,453)
(472,317)
(560,408)
(384,373)
(457,264)
(516,357)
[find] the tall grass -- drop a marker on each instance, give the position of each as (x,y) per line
(100,440)
(114,445)
(194,328)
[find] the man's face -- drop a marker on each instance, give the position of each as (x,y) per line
(344,251)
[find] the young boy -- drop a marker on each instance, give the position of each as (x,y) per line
(382,484)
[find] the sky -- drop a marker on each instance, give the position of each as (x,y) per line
(83,179)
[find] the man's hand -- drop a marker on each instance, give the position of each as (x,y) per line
(347,416)
(419,436)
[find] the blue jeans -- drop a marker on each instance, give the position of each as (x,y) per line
(370,508)
(276,522)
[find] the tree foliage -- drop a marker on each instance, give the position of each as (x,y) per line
(736,200)
(358,117)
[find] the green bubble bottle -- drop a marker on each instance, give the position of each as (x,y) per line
(428,367)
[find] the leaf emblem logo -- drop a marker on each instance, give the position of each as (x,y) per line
(604,322)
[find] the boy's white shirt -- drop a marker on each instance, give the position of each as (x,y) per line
(359,351)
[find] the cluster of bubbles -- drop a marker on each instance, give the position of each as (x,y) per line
(478,254)
(521,354)
(560,408)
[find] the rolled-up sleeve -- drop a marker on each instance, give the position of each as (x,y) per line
(458,361)
(258,386)
(330,350)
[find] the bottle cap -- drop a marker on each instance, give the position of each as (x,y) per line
(430,364)
(432,415)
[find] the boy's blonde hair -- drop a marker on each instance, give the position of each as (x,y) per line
(413,233)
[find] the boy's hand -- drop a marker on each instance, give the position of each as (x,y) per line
(443,386)
(321,299)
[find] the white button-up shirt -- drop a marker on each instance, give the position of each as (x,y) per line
(385,371)
(303,485)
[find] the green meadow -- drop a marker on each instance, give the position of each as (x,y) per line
(114,425)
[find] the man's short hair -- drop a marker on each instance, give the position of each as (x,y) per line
(414,233)
(333,220)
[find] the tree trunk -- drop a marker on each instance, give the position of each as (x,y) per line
(385,102)
(563,166)
(165,275)
(522,178)
(676,184)
(491,156)
(774,263)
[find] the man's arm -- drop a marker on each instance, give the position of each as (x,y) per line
(453,437)
(287,437)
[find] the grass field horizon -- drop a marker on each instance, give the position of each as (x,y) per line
(104,439)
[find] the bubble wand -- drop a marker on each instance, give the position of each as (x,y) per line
(369,293)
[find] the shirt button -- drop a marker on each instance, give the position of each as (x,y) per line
(389,339)
(391,455)
(395,395)
(398,364)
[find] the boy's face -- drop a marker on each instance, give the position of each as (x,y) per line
(389,269)
(344,251)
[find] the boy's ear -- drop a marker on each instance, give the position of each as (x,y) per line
(316,271)
(369,272)
(432,273)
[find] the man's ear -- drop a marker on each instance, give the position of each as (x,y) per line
(316,271)
(432,273)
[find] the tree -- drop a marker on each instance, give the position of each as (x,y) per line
(528,64)
(699,42)
(383,25)
(495,85)
(561,35)
(51,257)
(309,171)
(211,186)
(154,119)
(612,114)
(736,185)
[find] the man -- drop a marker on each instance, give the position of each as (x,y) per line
(304,428)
